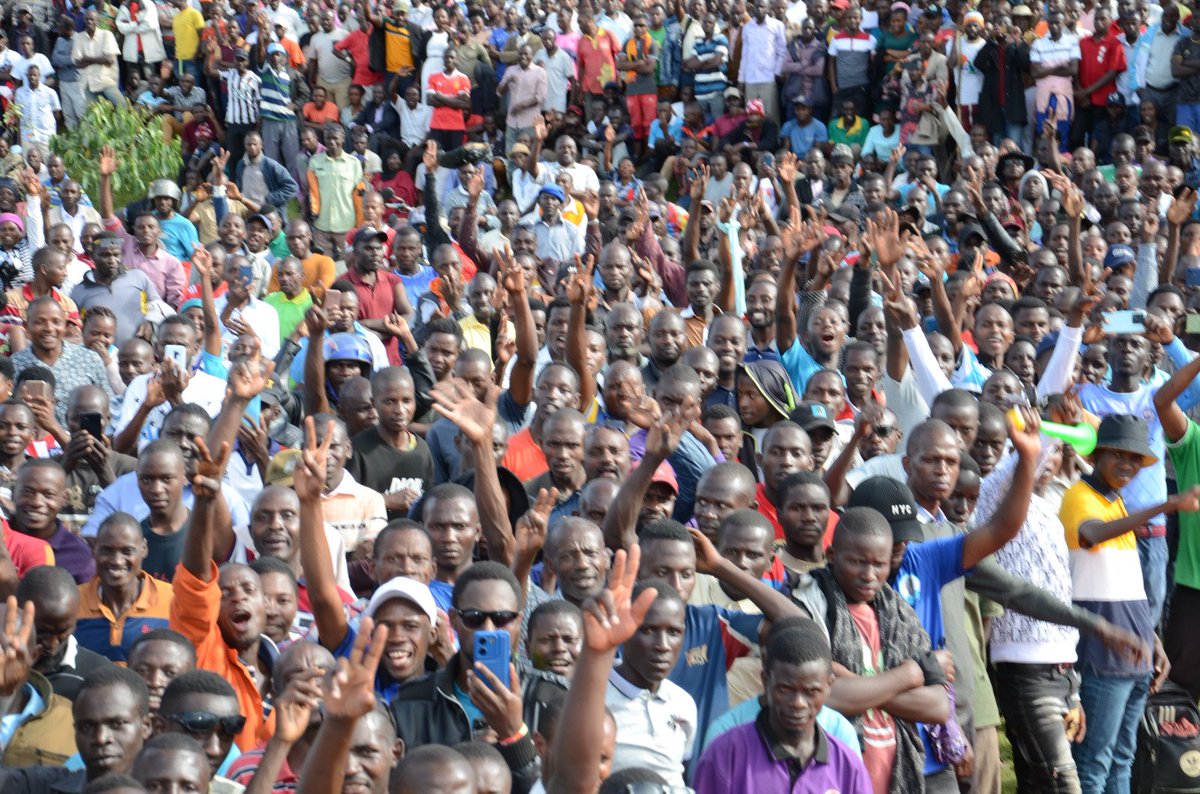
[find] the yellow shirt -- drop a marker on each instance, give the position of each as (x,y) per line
(187,26)
(398,47)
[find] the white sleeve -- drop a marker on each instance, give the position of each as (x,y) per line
(1060,370)
(135,395)
(931,381)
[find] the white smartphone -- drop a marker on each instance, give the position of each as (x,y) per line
(1124,322)
(178,354)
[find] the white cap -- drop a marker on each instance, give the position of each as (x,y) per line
(409,590)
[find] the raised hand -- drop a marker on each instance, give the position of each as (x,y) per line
(309,480)
(15,657)
(174,380)
(202,262)
(210,469)
(591,204)
(699,185)
(1182,207)
(1188,501)
(530,529)
(663,436)
(108,161)
(612,617)
(249,377)
(454,399)
(350,691)
(884,238)
(430,158)
(725,209)
(316,321)
(475,185)
(787,168)
(501,705)
(294,708)
(1157,329)
(1024,434)
(539,127)
(512,275)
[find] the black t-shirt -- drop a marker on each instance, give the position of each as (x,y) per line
(381,467)
(164,552)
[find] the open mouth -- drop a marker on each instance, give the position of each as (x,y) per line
(240,620)
(399,656)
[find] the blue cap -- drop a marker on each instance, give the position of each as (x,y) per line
(553,190)
(275,47)
(1119,255)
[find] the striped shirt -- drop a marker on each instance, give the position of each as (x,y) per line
(277,95)
(713,81)
(242,92)
(853,52)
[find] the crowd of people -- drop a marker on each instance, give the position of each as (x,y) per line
(601,397)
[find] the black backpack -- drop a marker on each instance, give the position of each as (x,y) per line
(1167,763)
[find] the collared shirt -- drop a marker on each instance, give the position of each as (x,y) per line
(655,730)
(18,301)
(290,310)
(203,389)
(76,366)
(111,636)
(355,511)
(103,44)
(164,270)
(9,723)
(123,496)
(764,47)
(72,554)
(242,96)
(260,316)
(560,241)
(336,179)
(60,58)
(38,107)
(128,297)
(524,85)
(750,758)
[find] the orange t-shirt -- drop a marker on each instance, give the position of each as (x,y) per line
(194,612)
(524,457)
(452,84)
(325,115)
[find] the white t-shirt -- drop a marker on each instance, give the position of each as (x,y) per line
(970,79)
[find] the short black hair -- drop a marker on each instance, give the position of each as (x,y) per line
(397,525)
(189,409)
(8,369)
(263,565)
(204,682)
(746,517)
(664,529)
(954,398)
(799,478)
(441,325)
(861,522)
(662,587)
(719,411)
(165,635)
(45,584)
(558,606)
(445,490)
(174,741)
(482,751)
(967,463)
(111,676)
(112,782)
(36,373)
(798,645)
(484,571)
(624,779)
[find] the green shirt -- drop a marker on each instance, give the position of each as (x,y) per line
(1186,457)
(854,135)
(291,310)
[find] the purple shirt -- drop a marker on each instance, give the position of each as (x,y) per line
(71,553)
(747,758)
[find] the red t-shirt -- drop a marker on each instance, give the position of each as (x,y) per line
(1100,56)
(26,551)
(524,457)
(376,302)
(445,118)
(879,729)
(357,44)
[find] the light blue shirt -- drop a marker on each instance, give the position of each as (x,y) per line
(10,723)
(830,721)
(123,496)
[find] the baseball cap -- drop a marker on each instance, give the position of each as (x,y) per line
(366,234)
(282,468)
(812,415)
(894,501)
(263,219)
(242,54)
(410,590)
(1021,10)
(1180,134)
(847,213)
(970,230)
(275,47)
(1119,255)
(666,475)
(802,99)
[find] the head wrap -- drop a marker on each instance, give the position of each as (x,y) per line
(773,383)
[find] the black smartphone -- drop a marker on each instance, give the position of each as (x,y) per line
(91,423)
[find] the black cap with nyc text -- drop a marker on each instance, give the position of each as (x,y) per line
(894,501)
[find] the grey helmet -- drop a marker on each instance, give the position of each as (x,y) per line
(164,187)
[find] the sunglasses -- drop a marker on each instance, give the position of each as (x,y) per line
(883,431)
(205,722)
(475,618)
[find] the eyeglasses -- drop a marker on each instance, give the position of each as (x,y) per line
(474,618)
(205,722)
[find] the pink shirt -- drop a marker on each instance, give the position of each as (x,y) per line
(164,270)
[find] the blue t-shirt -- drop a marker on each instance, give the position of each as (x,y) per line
(803,139)
(926,567)
(418,283)
(710,632)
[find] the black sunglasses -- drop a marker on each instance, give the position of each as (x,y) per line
(474,618)
(883,431)
(205,722)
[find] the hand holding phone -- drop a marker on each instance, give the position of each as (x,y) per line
(177,354)
(333,299)
(91,423)
(493,650)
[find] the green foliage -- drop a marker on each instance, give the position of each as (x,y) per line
(137,141)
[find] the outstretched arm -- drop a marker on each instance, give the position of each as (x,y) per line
(315,558)
(774,604)
(1006,522)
